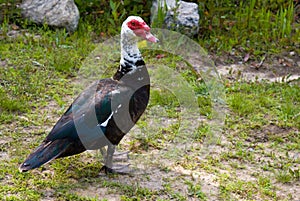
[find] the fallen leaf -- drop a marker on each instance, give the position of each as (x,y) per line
(246,58)
(14,27)
(288,64)
(160,56)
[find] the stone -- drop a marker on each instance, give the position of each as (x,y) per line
(56,13)
(180,15)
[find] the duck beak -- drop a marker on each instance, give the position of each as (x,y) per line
(145,34)
(149,37)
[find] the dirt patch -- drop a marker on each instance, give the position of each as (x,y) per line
(237,72)
(269,131)
(277,69)
(92,191)
(288,189)
(4,156)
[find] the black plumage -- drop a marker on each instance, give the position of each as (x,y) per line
(103,113)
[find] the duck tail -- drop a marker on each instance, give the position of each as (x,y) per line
(46,152)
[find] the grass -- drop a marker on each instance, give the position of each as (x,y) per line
(256,158)
(249,99)
(255,27)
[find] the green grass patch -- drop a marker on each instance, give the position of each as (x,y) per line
(279,101)
(256,27)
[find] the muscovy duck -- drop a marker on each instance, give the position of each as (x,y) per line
(103,113)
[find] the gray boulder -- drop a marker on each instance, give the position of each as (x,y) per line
(56,13)
(180,15)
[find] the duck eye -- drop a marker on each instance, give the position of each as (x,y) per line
(133,23)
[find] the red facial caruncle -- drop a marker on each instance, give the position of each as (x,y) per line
(142,30)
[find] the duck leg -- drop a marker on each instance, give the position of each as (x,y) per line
(117,156)
(121,156)
(108,166)
(103,153)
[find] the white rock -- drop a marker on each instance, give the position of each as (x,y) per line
(181,16)
(56,13)
(292,53)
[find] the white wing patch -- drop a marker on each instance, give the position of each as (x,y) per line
(116,91)
(104,124)
(119,106)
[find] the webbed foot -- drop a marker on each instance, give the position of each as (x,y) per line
(117,169)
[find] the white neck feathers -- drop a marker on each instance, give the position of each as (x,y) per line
(129,48)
